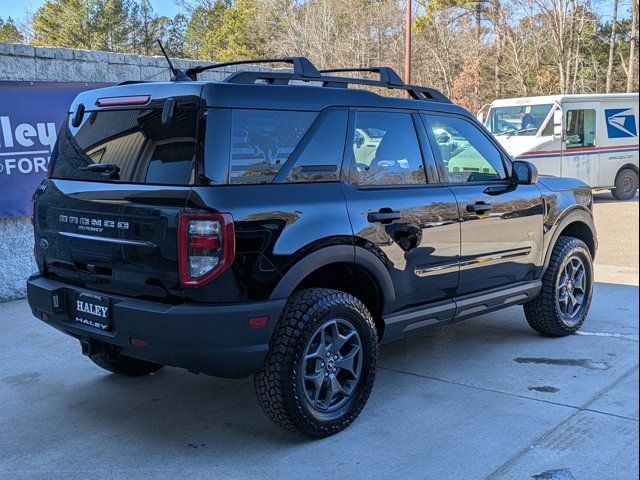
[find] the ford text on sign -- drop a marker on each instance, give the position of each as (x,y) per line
(31,114)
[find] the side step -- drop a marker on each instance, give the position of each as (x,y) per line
(416,320)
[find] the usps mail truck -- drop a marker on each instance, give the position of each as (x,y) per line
(593,138)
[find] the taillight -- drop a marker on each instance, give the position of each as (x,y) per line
(206,247)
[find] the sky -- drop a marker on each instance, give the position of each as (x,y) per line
(18,9)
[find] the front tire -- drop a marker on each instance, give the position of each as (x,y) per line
(321,363)
(626,185)
(562,305)
(114,361)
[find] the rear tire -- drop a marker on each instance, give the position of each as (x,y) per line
(562,305)
(626,185)
(321,363)
(115,362)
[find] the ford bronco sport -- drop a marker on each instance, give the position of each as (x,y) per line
(282,225)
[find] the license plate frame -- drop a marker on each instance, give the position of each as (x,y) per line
(92,310)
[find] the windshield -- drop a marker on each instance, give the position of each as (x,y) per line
(521,120)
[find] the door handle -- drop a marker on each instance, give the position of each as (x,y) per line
(384,216)
(479,207)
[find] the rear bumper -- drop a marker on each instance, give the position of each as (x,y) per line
(212,339)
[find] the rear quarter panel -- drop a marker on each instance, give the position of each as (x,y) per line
(276,225)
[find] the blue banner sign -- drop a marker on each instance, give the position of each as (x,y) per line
(31,114)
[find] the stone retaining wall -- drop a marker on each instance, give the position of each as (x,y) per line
(27,63)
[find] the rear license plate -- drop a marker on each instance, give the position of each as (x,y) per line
(92,310)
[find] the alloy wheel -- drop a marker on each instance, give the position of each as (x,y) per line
(571,288)
(332,364)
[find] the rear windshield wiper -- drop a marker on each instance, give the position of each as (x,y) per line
(101,168)
(110,169)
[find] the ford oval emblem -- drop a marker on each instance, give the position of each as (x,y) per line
(43,243)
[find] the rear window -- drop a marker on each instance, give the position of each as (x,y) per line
(263,140)
(135,141)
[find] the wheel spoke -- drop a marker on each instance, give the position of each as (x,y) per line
(567,304)
(573,303)
(323,338)
(317,378)
(569,270)
(334,388)
(311,356)
(341,340)
(578,283)
(347,362)
(335,334)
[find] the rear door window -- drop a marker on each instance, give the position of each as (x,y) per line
(135,142)
(263,140)
(386,150)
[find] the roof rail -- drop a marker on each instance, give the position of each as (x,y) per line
(387,74)
(302,67)
(284,78)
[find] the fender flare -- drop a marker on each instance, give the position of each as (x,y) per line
(339,254)
(573,215)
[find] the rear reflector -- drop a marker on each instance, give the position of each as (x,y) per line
(123,101)
(258,322)
(138,342)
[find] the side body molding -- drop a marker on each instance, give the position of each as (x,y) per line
(338,254)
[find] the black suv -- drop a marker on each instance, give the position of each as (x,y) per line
(281,224)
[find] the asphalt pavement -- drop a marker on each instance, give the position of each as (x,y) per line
(483,399)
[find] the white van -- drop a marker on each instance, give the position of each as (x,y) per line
(593,138)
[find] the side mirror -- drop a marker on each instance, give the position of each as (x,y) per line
(359,140)
(557,123)
(443,138)
(524,173)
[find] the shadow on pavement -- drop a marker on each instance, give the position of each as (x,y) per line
(607,197)
(181,409)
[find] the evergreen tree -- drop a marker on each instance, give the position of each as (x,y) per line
(223,30)
(9,32)
(65,23)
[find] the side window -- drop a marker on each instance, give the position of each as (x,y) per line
(467,154)
(581,128)
(319,159)
(386,150)
(262,141)
(548,128)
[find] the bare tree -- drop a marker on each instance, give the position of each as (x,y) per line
(612,45)
(631,70)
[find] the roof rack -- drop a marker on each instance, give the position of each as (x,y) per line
(302,67)
(305,71)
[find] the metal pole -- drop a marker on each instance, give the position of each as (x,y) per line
(407,47)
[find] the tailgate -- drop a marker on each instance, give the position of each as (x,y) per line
(112,238)
(106,218)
